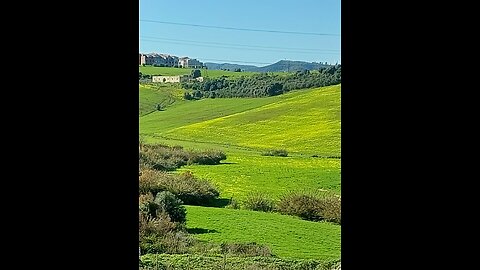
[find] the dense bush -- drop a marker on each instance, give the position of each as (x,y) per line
(258,201)
(192,190)
(185,186)
(171,205)
(276,152)
(149,181)
(162,224)
(311,206)
(330,209)
(168,158)
(159,225)
(209,157)
(146,205)
(162,157)
(171,242)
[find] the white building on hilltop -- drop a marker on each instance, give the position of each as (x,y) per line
(166,60)
(187,62)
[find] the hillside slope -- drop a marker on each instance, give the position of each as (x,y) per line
(306,122)
(285,235)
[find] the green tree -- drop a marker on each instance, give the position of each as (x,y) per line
(196,73)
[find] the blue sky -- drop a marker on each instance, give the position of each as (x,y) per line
(250,47)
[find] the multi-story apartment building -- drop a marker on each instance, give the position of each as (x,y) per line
(168,60)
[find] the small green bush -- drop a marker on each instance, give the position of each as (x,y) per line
(276,152)
(233,204)
(209,157)
(311,206)
(258,202)
(192,190)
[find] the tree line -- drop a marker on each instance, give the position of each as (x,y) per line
(263,84)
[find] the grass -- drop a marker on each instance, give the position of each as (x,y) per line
(164,71)
(305,122)
(209,262)
(170,71)
(287,236)
(244,172)
(196,112)
(152,94)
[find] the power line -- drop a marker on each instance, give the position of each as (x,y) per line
(241,29)
(239,45)
(248,49)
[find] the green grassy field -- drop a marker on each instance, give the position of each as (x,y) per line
(165,94)
(169,71)
(196,112)
(305,122)
(287,236)
(246,172)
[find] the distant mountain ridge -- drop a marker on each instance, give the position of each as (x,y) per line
(282,65)
(232,67)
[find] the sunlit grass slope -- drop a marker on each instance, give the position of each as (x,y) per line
(304,122)
(287,236)
(153,94)
(307,122)
(247,172)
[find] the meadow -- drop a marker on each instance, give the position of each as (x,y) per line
(287,236)
(246,172)
(197,111)
(169,71)
(152,94)
(304,122)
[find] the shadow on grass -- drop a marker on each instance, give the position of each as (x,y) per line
(219,203)
(227,163)
(200,231)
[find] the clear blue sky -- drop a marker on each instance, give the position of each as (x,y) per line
(228,45)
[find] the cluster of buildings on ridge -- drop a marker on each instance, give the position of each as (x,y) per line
(166,60)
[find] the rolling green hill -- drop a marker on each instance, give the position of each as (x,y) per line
(306,122)
(151,95)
